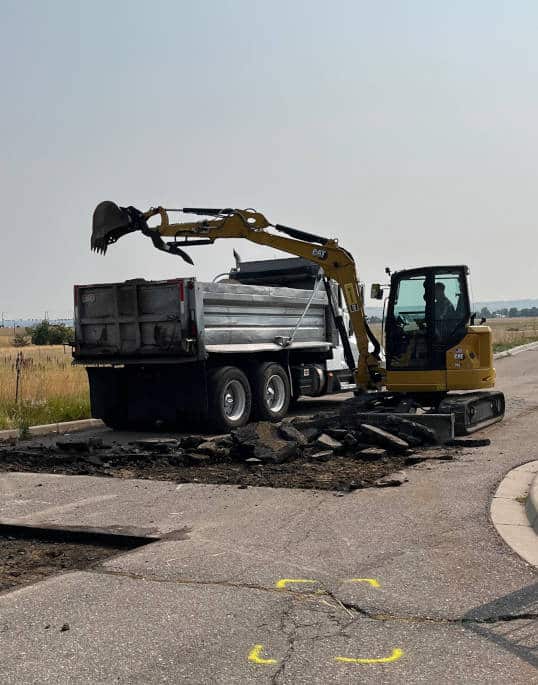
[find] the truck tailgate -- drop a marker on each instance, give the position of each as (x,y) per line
(131,319)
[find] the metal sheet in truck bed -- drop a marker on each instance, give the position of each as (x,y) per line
(249,315)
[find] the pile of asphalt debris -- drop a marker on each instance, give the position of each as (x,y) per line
(341,449)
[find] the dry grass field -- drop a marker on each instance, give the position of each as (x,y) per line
(51,389)
(6,335)
(507,333)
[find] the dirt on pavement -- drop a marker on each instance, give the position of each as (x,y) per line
(333,473)
(342,449)
(25,560)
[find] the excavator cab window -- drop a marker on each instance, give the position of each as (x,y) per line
(407,324)
(427,315)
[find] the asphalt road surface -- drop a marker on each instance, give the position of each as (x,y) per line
(256,585)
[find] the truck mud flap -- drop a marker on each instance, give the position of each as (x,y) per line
(473,411)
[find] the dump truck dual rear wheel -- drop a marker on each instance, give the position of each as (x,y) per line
(229,398)
(271,392)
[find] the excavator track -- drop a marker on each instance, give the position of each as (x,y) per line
(473,411)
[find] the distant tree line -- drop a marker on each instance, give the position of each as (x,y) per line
(512,312)
(45,333)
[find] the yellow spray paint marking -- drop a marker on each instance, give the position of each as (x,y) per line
(283,582)
(371,581)
(396,654)
(254,656)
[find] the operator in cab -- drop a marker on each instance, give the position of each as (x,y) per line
(445,313)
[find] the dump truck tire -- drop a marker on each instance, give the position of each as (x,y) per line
(271,392)
(229,399)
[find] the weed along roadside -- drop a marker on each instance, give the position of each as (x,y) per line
(42,387)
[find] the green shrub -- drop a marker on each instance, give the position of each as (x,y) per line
(21,340)
(46,333)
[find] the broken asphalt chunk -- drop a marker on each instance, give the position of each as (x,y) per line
(371,453)
(211,448)
(292,434)
(262,441)
(191,441)
(383,438)
(326,442)
(323,455)
(158,445)
(392,480)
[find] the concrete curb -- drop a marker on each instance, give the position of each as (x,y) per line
(531,505)
(516,350)
(514,510)
(55,428)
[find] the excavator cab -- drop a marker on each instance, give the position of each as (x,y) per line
(431,343)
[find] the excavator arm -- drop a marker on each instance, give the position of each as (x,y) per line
(111,222)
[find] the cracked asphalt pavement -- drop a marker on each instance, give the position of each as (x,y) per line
(409,584)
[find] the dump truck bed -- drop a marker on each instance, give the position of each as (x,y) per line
(182,319)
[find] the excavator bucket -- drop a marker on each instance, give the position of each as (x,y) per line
(110,223)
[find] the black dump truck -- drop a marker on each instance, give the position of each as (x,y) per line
(221,353)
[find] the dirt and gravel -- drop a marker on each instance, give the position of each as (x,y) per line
(337,473)
(25,560)
(329,451)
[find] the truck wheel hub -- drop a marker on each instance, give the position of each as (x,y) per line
(275,393)
(235,400)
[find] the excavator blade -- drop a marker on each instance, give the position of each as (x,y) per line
(110,223)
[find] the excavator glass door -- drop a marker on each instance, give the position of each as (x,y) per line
(427,315)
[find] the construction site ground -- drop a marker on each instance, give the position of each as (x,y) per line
(272,585)
(336,473)
(319,461)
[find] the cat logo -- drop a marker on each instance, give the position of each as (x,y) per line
(319,252)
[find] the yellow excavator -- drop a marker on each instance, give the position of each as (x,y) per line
(432,344)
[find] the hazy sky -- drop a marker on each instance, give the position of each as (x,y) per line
(407,129)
